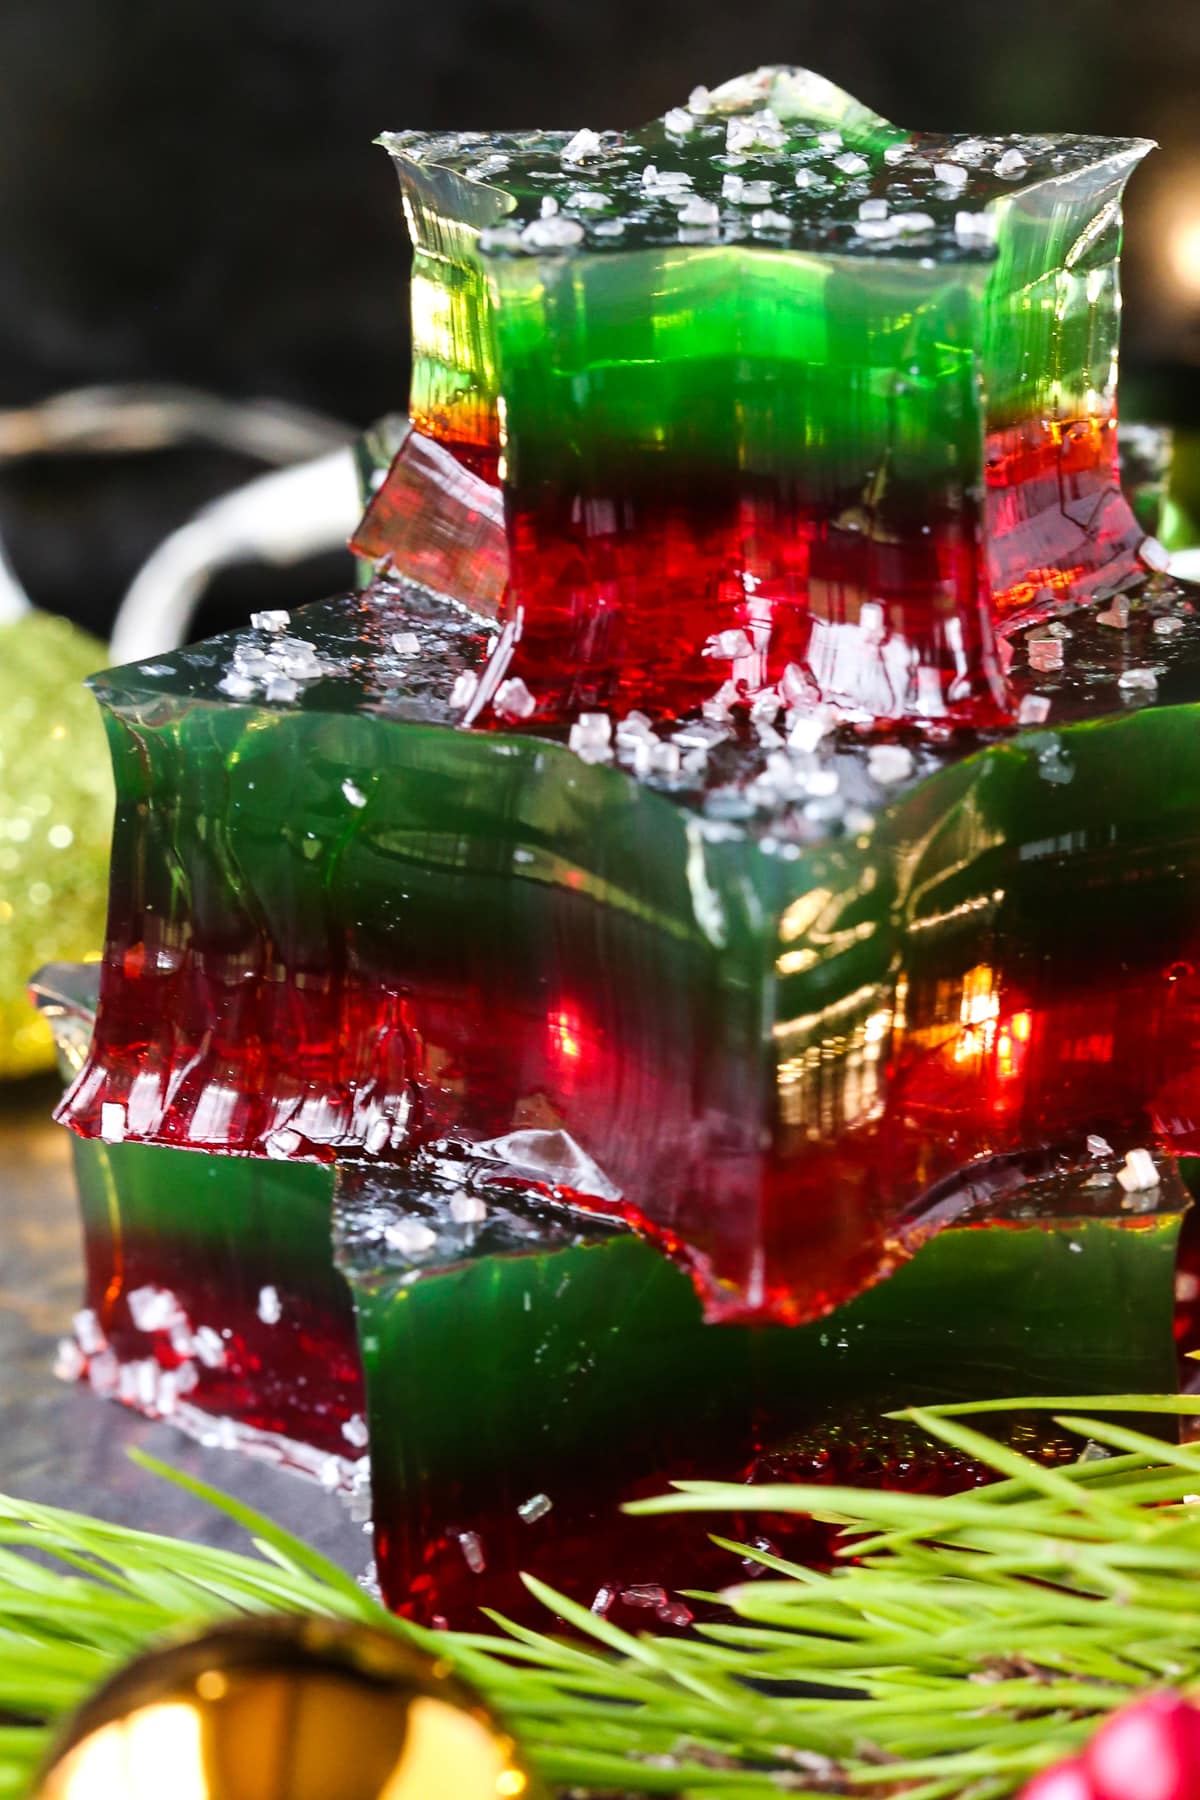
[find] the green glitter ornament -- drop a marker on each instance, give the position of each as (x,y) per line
(56,805)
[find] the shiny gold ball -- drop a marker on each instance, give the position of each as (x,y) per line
(56,807)
(287,1709)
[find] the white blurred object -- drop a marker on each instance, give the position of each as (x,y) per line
(309,503)
(13,599)
(279,518)
(154,416)
(1185,564)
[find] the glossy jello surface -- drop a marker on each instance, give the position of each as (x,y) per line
(528,1373)
(773,367)
(782,997)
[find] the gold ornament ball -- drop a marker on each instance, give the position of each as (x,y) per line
(56,807)
(286,1709)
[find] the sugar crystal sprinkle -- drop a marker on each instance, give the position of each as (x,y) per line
(976,228)
(535,1508)
(1045,653)
(1140,1172)
(888,763)
(463,691)
(1034,709)
(112,1122)
(591,737)
(471,1545)
(1010,165)
(410,1236)
(1138,681)
(270,1307)
(583,145)
(282,1143)
(645,1593)
(88,1333)
(467,1209)
(209,1347)
(513,700)
(699,212)
(69,1360)
(728,645)
(554,233)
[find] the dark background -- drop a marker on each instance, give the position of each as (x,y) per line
(188,191)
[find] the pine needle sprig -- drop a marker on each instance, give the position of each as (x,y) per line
(959,1644)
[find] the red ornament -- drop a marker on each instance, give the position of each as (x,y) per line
(1147,1751)
(1064,1781)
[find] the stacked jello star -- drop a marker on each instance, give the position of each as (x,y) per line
(702,948)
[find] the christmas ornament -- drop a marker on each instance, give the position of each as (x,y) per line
(55,820)
(1149,1750)
(291,1709)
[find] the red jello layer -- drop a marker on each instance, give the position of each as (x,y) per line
(657,602)
(658,591)
(637,1572)
(835,1185)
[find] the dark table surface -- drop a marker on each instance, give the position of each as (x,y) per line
(58,1443)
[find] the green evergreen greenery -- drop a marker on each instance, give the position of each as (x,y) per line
(980,1635)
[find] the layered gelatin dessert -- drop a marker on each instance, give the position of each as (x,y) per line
(718,907)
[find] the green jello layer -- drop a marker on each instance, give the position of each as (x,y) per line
(249,1210)
(582,1375)
(625,274)
(507,1364)
(625,375)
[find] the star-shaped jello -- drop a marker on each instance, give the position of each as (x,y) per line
(774,384)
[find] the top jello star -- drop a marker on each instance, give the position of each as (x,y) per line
(772,384)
